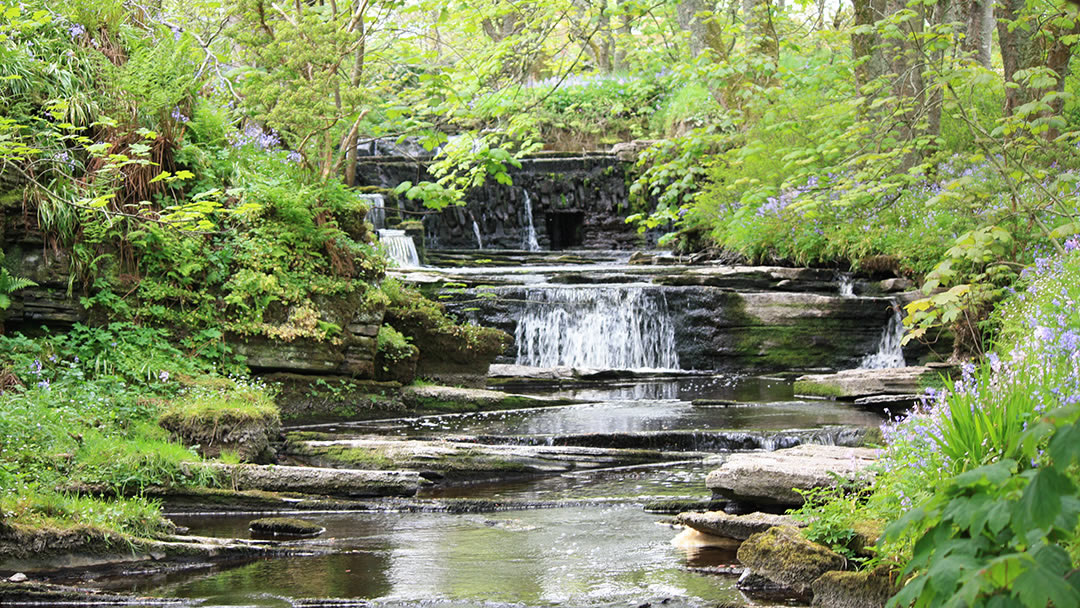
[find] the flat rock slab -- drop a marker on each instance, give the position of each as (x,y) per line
(317,480)
(436,396)
(772,477)
(738,527)
(38,551)
(469,460)
(857,383)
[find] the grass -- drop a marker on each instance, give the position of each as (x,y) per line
(85,415)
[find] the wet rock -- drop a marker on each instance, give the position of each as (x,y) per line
(639,257)
(18,577)
(856,383)
(467,460)
(285,526)
(759,587)
(772,477)
(675,506)
(45,594)
(455,399)
(893,403)
(315,480)
(784,556)
(738,527)
(53,550)
(868,589)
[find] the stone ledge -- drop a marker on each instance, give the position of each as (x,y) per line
(772,477)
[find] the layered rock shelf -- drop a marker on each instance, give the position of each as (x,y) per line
(772,478)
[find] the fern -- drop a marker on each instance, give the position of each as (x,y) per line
(10,284)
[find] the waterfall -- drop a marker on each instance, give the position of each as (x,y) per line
(476,231)
(376,209)
(889,353)
(400,248)
(846,285)
(530,242)
(596,327)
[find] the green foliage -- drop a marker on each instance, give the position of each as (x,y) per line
(83,410)
(10,284)
(831,514)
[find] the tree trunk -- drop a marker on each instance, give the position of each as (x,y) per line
(866,48)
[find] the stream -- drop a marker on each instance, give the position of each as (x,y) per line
(593,544)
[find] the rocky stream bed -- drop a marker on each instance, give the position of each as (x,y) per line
(616,408)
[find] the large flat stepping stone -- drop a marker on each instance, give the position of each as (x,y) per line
(738,527)
(455,459)
(859,383)
(317,480)
(770,478)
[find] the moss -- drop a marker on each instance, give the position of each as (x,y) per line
(808,341)
(784,556)
(305,397)
(815,388)
(855,589)
(288,526)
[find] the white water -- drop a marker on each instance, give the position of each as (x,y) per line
(400,248)
(889,353)
(476,231)
(846,285)
(596,327)
(376,209)
(530,244)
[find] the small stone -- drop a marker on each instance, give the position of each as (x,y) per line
(18,577)
(285,526)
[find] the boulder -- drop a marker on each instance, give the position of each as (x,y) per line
(784,556)
(773,477)
(868,589)
(738,527)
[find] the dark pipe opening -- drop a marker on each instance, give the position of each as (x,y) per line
(565,229)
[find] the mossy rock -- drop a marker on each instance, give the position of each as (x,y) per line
(867,589)
(307,397)
(784,556)
(285,526)
(247,432)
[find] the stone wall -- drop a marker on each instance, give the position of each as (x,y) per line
(578,202)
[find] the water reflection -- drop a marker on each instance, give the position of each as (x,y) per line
(587,556)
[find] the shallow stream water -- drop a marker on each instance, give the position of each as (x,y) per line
(596,546)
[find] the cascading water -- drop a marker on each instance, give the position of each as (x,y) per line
(530,242)
(596,327)
(376,209)
(889,352)
(846,286)
(400,248)
(476,231)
